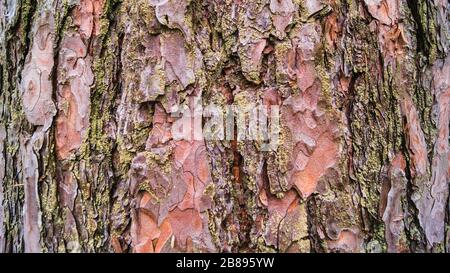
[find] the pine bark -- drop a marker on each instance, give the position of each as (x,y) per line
(88,162)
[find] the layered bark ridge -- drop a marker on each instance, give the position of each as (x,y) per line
(88,162)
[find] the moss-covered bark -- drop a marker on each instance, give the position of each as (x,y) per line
(88,162)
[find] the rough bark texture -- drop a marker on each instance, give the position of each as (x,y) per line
(88,162)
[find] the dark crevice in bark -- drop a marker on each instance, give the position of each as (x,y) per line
(118,183)
(422,43)
(416,244)
(316,243)
(238,186)
(27,29)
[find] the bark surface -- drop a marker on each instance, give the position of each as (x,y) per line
(88,162)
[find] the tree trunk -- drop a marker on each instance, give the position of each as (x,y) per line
(88,97)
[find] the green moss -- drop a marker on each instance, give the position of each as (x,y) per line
(27,12)
(283,153)
(210,190)
(262,247)
(325,81)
